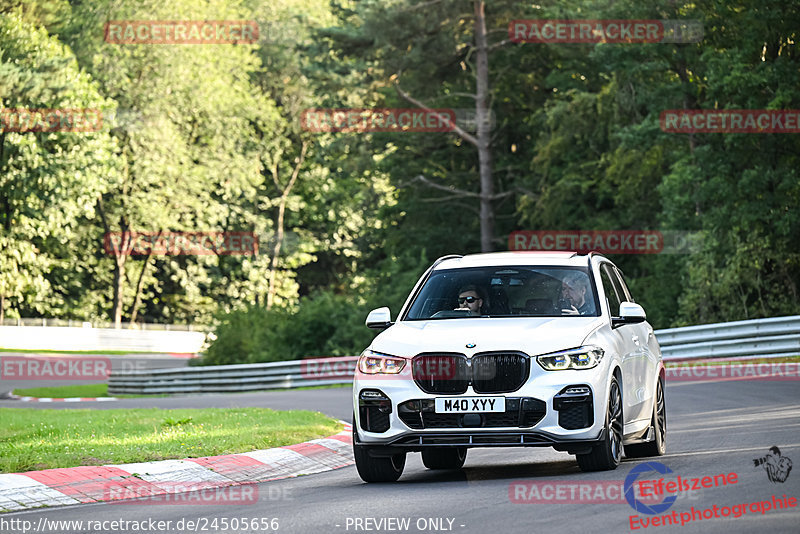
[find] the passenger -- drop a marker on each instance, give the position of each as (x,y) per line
(576,296)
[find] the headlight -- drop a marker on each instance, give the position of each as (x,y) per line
(373,363)
(580,358)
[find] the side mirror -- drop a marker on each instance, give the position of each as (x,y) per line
(379,318)
(629,313)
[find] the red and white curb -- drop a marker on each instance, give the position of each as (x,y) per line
(67,399)
(76,485)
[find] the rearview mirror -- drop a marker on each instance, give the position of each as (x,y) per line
(379,318)
(629,313)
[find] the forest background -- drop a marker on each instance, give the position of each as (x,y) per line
(551,137)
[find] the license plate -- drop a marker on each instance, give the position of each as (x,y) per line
(470,404)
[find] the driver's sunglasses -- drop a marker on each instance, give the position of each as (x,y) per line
(470,300)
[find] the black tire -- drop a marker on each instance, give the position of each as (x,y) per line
(658,446)
(372,469)
(450,458)
(606,455)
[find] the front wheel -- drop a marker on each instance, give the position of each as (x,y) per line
(606,455)
(657,447)
(444,458)
(377,469)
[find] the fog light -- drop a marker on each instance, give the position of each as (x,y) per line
(581,390)
(373,394)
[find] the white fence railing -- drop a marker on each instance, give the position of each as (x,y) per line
(779,336)
(60,338)
(49,321)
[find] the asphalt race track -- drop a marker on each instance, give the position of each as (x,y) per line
(714,428)
(333,401)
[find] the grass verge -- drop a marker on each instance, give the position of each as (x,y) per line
(61,392)
(101,390)
(46,439)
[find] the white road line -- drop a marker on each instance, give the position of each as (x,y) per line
(723,451)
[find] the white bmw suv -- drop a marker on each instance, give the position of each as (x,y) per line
(510,349)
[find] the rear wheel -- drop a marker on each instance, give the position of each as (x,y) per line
(377,469)
(658,446)
(606,455)
(444,458)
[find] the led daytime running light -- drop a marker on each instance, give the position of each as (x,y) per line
(372,363)
(579,358)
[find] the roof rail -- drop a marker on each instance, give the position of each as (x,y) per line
(443,258)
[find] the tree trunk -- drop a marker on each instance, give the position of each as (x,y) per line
(279,223)
(138,298)
(276,250)
(119,263)
(483,132)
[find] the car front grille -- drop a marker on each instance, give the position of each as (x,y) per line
(441,373)
(487,372)
(499,372)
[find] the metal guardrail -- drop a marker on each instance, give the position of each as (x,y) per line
(227,378)
(779,336)
(773,337)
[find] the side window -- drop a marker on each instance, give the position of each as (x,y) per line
(610,290)
(625,289)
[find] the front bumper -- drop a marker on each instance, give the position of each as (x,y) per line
(538,414)
(417,441)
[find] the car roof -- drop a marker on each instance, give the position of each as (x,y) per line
(498,259)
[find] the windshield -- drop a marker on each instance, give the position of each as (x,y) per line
(506,292)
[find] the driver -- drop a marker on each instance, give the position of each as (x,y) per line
(469,299)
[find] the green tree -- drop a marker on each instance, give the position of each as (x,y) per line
(48,180)
(188,146)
